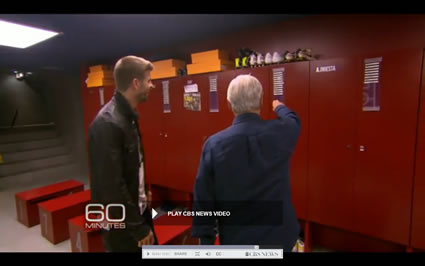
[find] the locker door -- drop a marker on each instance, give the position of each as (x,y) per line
(262,74)
(196,125)
(203,124)
(94,99)
(296,96)
(418,216)
(85,98)
(85,101)
(386,147)
(332,140)
(175,140)
(92,106)
(97,98)
(151,128)
(108,93)
(224,117)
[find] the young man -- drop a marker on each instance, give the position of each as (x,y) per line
(117,158)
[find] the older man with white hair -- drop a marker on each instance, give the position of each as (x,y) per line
(244,171)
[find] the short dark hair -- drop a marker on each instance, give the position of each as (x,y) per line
(129,68)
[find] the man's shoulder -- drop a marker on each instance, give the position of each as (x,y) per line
(220,137)
(108,116)
(245,129)
(234,133)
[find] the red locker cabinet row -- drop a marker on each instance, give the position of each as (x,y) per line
(361,163)
(358,164)
(173,140)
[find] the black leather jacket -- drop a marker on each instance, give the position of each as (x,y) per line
(114,162)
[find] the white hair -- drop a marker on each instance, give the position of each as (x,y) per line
(244,94)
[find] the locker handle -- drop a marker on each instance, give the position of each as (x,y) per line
(160,134)
(348,146)
(362,148)
(165,135)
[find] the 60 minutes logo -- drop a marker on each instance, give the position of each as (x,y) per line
(100,222)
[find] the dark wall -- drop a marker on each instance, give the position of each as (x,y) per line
(45,97)
(62,93)
(31,102)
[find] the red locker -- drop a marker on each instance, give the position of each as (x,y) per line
(158,144)
(202,124)
(332,140)
(386,147)
(174,137)
(93,100)
(361,162)
(84,99)
(165,141)
(196,125)
(152,131)
(418,208)
(296,78)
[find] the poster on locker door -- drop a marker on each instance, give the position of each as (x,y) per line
(166,96)
(213,94)
(192,101)
(371,85)
(279,84)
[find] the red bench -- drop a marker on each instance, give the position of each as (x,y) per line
(26,201)
(174,230)
(55,213)
(84,239)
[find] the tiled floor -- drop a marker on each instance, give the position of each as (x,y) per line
(16,237)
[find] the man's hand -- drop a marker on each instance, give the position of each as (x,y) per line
(148,240)
(276,103)
(149,200)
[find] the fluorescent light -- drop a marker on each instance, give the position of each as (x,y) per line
(20,36)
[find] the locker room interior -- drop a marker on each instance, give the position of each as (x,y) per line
(357,173)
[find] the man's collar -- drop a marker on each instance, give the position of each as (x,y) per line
(246,117)
(125,107)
